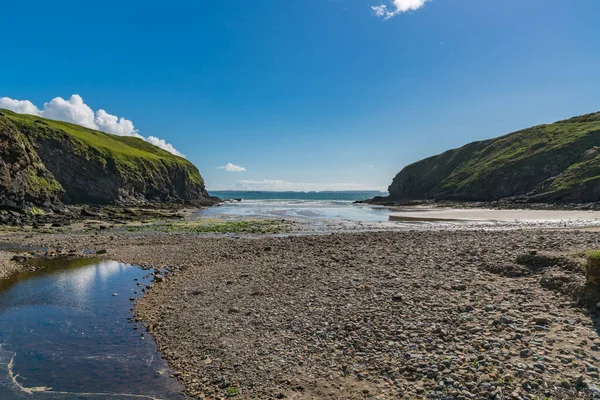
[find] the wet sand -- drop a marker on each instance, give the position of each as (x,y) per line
(416,214)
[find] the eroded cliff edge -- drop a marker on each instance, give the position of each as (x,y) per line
(44,163)
(554,163)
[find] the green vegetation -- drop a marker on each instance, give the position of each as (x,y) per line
(126,152)
(242,226)
(556,162)
(96,167)
(233,391)
(36,211)
(40,185)
(593,259)
(592,269)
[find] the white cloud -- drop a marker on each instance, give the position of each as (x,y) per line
(19,106)
(118,126)
(73,110)
(77,112)
(380,11)
(163,145)
(229,167)
(286,186)
(397,7)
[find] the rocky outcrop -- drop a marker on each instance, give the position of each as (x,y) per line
(559,162)
(43,162)
(24,180)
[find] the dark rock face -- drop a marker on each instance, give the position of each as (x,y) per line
(44,162)
(99,180)
(548,163)
(24,180)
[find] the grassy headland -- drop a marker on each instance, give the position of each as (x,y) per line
(558,162)
(96,167)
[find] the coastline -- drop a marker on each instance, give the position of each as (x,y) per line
(359,315)
(504,204)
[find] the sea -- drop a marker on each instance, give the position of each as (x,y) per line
(327,196)
(326,205)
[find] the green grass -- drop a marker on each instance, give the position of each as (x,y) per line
(593,258)
(556,161)
(135,158)
(243,226)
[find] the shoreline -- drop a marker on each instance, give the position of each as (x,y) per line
(448,214)
(505,204)
(359,315)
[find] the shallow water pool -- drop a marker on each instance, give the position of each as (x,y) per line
(66,332)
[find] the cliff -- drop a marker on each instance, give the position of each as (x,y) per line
(45,162)
(558,162)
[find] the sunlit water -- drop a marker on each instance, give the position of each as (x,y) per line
(337,210)
(313,206)
(299,209)
(64,335)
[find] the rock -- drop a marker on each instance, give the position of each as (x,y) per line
(541,320)
(24,180)
(397,297)
(20,258)
(103,251)
(525,353)
(594,389)
(43,165)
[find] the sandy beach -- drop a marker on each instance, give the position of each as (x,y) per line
(417,214)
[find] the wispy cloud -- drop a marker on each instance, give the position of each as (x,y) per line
(387,11)
(274,185)
(75,110)
(229,167)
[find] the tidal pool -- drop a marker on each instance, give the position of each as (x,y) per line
(66,332)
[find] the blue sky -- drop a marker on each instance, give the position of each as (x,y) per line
(312,93)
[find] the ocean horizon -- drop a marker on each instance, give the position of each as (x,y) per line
(345,195)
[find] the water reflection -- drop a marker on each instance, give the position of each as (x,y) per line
(62,328)
(310,210)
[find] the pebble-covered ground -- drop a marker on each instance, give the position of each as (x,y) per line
(7,265)
(383,315)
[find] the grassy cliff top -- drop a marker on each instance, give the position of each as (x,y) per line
(536,145)
(126,151)
(559,161)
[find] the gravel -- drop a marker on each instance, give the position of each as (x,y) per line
(7,266)
(382,315)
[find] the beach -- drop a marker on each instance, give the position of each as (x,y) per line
(381,315)
(438,214)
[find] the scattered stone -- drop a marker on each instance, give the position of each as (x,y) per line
(397,297)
